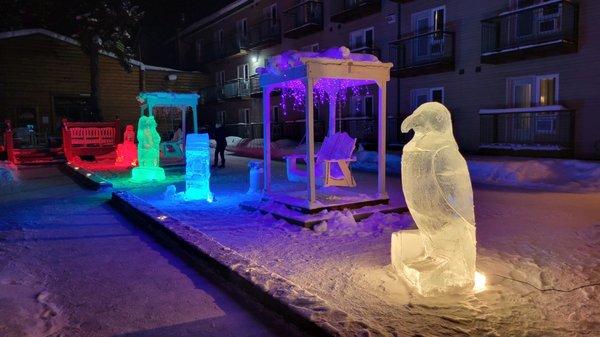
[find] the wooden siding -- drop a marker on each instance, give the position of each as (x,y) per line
(35,68)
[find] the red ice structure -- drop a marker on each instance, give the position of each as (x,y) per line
(127,151)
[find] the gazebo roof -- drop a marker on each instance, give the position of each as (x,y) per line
(347,68)
(168,98)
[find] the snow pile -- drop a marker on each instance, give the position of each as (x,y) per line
(554,174)
(293,58)
(558,174)
(8,173)
(367,161)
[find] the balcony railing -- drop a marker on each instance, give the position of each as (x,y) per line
(232,44)
(354,9)
(236,89)
(364,48)
(543,129)
(264,34)
(255,88)
(303,19)
(546,29)
(422,54)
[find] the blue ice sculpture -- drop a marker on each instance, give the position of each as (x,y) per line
(197,167)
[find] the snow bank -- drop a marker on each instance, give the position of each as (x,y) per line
(559,174)
(555,174)
(8,173)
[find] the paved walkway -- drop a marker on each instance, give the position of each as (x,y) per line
(71,266)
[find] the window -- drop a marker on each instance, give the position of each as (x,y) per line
(242,27)
(275,110)
(243,71)
(221,117)
(362,106)
(311,48)
(220,78)
(425,22)
(528,91)
(362,38)
(220,37)
(271,14)
(246,115)
(368,106)
(198,50)
(424,95)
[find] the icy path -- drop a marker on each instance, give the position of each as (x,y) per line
(71,266)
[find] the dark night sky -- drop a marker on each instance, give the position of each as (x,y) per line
(160,21)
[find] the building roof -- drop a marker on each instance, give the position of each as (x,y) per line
(41,31)
(214,17)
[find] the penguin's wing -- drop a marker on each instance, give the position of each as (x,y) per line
(453,182)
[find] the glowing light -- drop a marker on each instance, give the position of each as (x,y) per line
(148,152)
(76,168)
(479,282)
(162,217)
(197,167)
(127,151)
(293,92)
(88,174)
(254,59)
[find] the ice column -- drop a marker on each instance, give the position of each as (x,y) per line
(438,257)
(148,152)
(197,167)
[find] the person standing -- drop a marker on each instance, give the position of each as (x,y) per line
(221,139)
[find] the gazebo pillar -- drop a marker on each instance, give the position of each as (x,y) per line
(310,140)
(267,138)
(381,139)
(194,116)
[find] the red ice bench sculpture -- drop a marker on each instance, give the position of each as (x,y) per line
(89,138)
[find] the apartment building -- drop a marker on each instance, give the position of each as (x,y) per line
(519,76)
(233,42)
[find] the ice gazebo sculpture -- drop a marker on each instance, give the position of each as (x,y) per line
(439,256)
(327,74)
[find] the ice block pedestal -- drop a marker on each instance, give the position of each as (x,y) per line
(197,168)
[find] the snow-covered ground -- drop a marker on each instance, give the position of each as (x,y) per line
(537,247)
(71,266)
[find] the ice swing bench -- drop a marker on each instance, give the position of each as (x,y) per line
(332,162)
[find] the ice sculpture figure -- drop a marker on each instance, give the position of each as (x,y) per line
(127,151)
(148,152)
(197,167)
(439,256)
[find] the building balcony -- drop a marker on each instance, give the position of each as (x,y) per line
(546,29)
(355,9)
(232,45)
(210,95)
(236,89)
(529,131)
(303,19)
(255,88)
(264,34)
(423,54)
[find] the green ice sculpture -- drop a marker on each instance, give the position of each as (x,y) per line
(148,152)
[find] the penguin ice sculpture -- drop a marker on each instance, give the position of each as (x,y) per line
(439,256)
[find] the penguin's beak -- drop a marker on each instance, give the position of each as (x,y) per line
(408,124)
